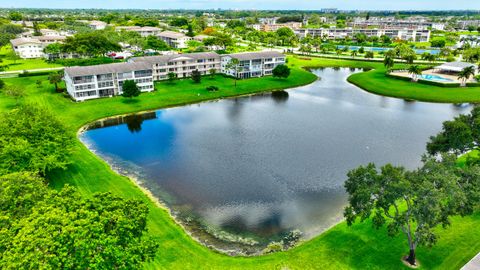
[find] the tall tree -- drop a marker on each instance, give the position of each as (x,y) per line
(234,65)
(414,70)
(130,89)
(32,139)
(55,78)
(411,202)
(45,228)
(196,76)
(281,71)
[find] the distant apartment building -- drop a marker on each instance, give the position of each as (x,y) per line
(174,39)
(252,64)
(466,23)
(275,27)
(32,47)
(143,31)
(97,25)
(106,80)
(180,64)
(397,24)
(342,33)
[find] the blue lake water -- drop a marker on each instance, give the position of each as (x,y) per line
(269,163)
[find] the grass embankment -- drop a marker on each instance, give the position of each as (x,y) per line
(359,247)
(23,64)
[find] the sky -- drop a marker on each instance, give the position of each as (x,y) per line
(249,4)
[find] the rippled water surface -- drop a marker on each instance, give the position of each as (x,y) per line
(269,163)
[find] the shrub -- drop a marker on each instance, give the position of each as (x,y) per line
(212,88)
(2,84)
(273,247)
(85,61)
(33,74)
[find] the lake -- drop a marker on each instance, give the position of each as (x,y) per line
(262,165)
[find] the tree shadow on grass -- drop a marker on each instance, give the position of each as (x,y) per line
(130,101)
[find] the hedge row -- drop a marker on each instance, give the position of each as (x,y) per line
(85,61)
(32,74)
(473,84)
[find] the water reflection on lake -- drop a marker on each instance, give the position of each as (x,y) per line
(269,163)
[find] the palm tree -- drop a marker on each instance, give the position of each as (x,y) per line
(388,62)
(465,74)
(415,71)
(354,53)
(234,64)
(338,52)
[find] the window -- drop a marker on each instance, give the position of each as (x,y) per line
(83,79)
(84,87)
(105,84)
(143,73)
(104,77)
(86,94)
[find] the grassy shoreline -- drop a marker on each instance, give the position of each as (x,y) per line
(358,247)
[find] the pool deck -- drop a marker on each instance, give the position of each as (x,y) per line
(452,77)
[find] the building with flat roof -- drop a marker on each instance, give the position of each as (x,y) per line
(32,47)
(143,31)
(89,82)
(252,64)
(342,33)
(106,80)
(181,64)
(174,39)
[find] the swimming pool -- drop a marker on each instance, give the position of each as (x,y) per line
(436,78)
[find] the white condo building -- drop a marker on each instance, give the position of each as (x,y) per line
(181,64)
(341,33)
(106,80)
(252,64)
(32,47)
(174,39)
(143,31)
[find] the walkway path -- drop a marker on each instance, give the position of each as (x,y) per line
(473,264)
(14,72)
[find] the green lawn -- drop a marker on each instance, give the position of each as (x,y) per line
(23,64)
(358,247)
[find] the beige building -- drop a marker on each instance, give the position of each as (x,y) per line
(174,39)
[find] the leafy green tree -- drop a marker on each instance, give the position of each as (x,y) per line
(15,16)
(281,71)
(36,29)
(93,43)
(212,72)
(45,228)
(154,43)
(32,139)
(13,56)
(190,32)
(196,76)
(2,84)
(459,135)
(284,35)
(411,202)
(388,62)
(130,89)
(369,55)
(234,64)
(171,77)
(353,54)
(55,78)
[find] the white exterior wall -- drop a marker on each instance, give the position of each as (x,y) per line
(183,68)
(93,88)
(29,50)
(252,68)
